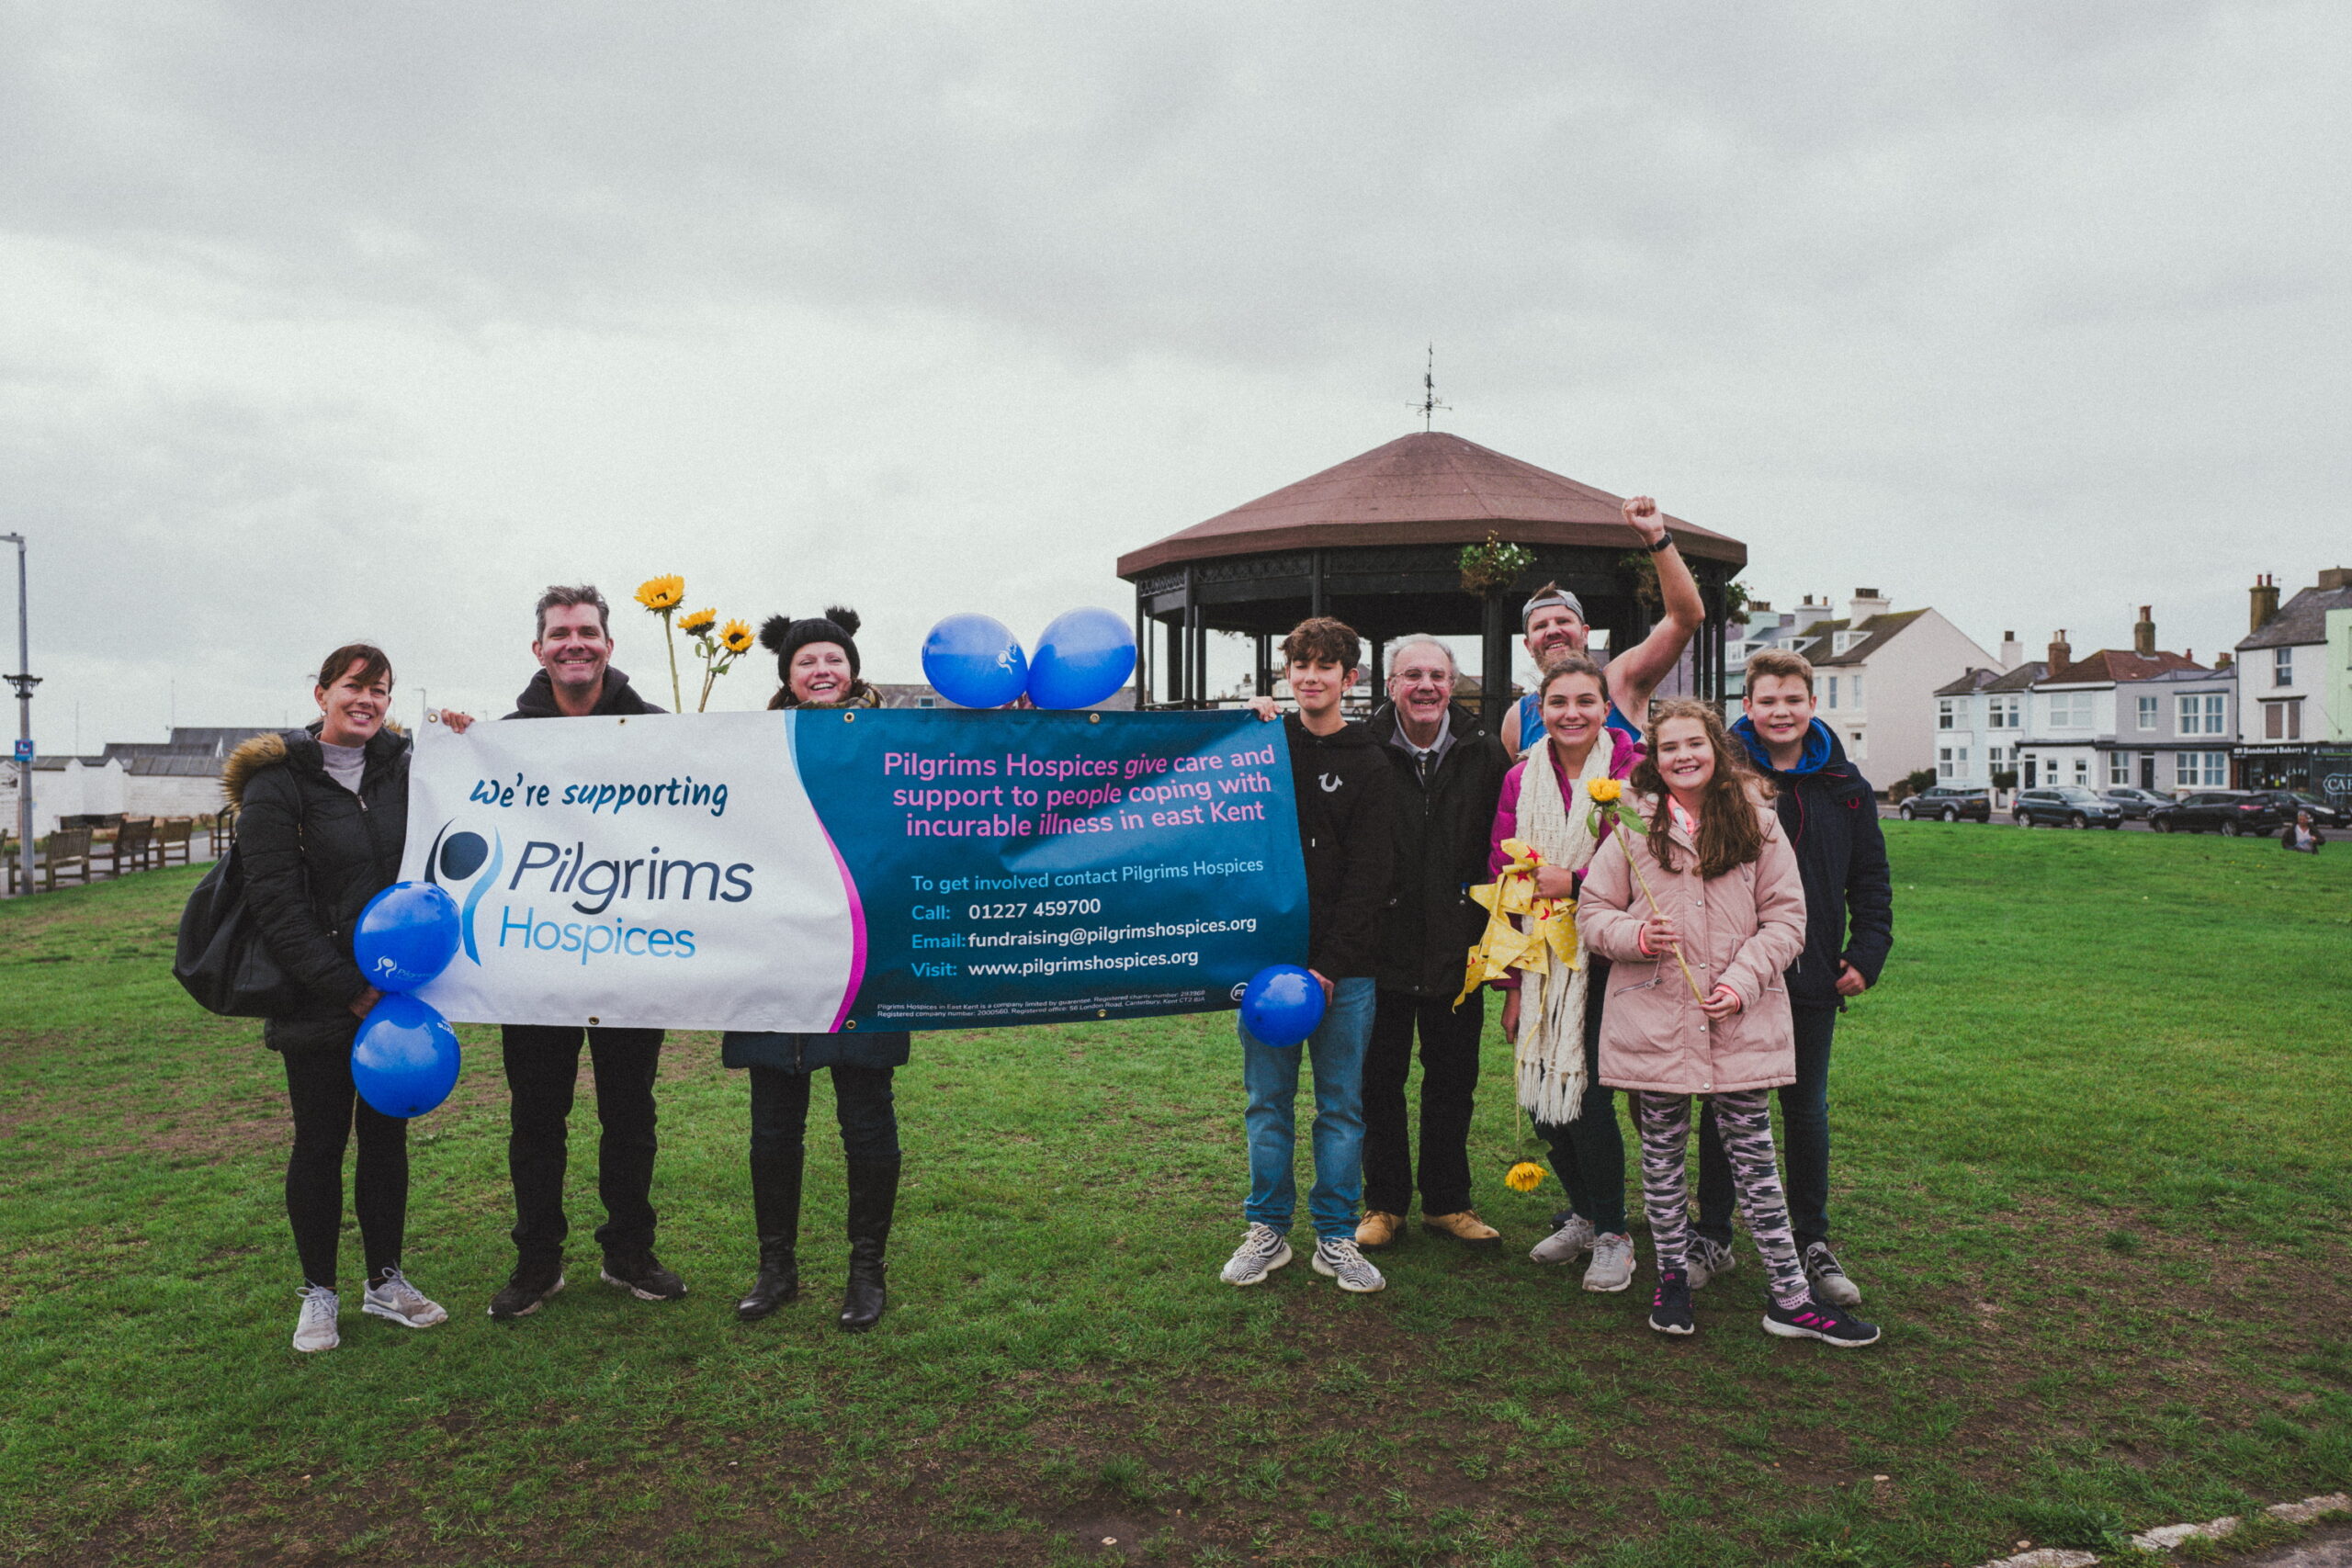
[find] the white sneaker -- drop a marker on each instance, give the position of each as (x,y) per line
(395,1298)
(1708,1259)
(1339,1258)
(316,1329)
(1261,1251)
(1613,1263)
(1568,1244)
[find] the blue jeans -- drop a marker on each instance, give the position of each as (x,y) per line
(1804,1142)
(1271,1076)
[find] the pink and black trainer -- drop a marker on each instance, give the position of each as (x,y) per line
(1670,1307)
(1812,1319)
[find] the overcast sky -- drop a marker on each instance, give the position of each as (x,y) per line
(319,323)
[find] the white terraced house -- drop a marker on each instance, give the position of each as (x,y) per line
(1875,675)
(2294,689)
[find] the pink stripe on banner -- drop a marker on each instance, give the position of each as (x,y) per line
(857,931)
(848,882)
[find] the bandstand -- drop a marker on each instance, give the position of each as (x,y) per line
(1377,542)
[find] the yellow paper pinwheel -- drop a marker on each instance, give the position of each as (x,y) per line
(1548,927)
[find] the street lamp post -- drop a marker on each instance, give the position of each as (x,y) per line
(24,680)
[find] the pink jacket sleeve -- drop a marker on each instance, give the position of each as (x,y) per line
(1506,821)
(1605,917)
(1780,918)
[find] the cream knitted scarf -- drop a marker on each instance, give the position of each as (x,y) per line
(1550,1055)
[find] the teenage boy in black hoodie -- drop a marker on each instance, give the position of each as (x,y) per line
(1830,815)
(576,679)
(1341,784)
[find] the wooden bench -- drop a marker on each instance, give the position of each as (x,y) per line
(68,849)
(172,838)
(133,840)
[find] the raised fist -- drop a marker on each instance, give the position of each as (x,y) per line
(1642,516)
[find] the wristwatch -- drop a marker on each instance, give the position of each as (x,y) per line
(1662,541)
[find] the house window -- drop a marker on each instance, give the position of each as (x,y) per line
(2003,713)
(1943,713)
(2119,767)
(2283,720)
(2082,770)
(2217,769)
(2184,770)
(2282,666)
(1846,642)
(2070,710)
(1943,763)
(2147,712)
(1833,690)
(1857,692)
(2201,714)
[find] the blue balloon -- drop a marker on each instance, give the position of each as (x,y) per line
(1281,1005)
(1085,657)
(404,1058)
(974,661)
(406,935)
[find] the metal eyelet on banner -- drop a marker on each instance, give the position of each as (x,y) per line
(591,1018)
(1101,1013)
(850,1025)
(1094,718)
(849,718)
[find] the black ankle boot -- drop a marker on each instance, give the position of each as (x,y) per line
(776,1211)
(778,1282)
(873,1196)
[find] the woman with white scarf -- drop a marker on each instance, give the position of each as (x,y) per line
(1553,1019)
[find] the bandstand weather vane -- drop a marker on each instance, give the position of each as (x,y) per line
(1429,404)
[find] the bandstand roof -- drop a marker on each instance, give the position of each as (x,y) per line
(1429,487)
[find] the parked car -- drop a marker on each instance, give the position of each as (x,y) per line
(2135,804)
(2322,814)
(1947,805)
(2226,811)
(2070,806)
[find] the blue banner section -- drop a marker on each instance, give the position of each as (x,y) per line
(1016,867)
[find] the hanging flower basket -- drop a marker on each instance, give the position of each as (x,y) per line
(1492,567)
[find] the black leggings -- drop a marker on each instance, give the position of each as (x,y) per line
(318,1081)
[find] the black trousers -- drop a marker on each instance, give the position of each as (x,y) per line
(1449,1084)
(326,1108)
(1588,1153)
(863,1104)
(542,1065)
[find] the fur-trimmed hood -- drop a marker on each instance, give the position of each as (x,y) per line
(299,746)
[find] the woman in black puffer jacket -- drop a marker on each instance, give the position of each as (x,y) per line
(817,659)
(322,818)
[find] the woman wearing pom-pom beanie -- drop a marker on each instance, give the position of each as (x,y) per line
(818,663)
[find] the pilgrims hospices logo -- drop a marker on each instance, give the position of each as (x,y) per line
(462,863)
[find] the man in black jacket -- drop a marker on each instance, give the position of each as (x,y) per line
(1341,784)
(574,648)
(1445,772)
(1830,814)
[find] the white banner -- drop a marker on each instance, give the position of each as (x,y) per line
(652,871)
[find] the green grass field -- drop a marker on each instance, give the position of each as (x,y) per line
(2093,1165)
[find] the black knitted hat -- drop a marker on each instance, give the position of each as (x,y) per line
(785,636)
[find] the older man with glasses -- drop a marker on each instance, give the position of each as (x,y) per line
(1448,770)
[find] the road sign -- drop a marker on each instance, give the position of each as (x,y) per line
(24,750)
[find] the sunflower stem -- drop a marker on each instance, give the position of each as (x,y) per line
(677,695)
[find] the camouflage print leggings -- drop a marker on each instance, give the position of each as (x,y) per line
(1745,1120)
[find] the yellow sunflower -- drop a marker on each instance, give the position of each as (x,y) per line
(1605,790)
(661,594)
(695,622)
(736,636)
(1524,1177)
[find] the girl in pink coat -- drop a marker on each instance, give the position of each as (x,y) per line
(1697,918)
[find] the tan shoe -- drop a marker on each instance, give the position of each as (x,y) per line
(1465,1228)
(1377,1230)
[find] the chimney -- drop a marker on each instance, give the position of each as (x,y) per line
(2062,652)
(2012,651)
(1866,602)
(2143,634)
(2221,661)
(2265,602)
(1760,606)
(2335,578)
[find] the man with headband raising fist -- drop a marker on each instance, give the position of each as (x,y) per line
(1554,626)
